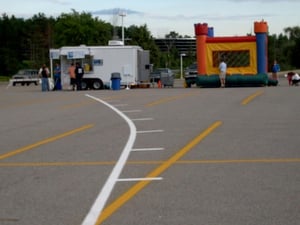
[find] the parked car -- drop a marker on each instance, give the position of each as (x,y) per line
(165,75)
(190,74)
(25,76)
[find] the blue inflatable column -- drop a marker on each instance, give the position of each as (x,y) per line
(210,32)
(261,30)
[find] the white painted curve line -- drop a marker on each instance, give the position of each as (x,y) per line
(97,207)
(140,179)
(146,149)
(113,101)
(142,119)
(149,131)
(130,111)
(120,105)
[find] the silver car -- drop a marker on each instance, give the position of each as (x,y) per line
(25,76)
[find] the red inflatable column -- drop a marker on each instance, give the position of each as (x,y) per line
(201,31)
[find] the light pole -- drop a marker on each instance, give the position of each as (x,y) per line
(181,70)
(122,14)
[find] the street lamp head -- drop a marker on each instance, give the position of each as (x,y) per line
(182,54)
(122,13)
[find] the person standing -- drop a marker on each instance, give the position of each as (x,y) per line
(222,72)
(44,74)
(57,77)
(79,74)
(72,75)
(275,70)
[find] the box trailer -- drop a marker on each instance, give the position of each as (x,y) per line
(100,62)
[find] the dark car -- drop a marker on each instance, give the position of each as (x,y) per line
(190,74)
(25,76)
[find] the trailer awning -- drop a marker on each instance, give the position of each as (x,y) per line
(75,53)
(54,53)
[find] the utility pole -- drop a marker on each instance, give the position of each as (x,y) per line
(122,14)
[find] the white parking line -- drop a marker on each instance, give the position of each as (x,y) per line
(149,131)
(142,119)
(146,149)
(130,111)
(97,207)
(140,179)
(120,105)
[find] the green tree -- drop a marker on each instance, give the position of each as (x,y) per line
(11,34)
(173,34)
(141,36)
(81,28)
(38,39)
(293,47)
(173,55)
(295,55)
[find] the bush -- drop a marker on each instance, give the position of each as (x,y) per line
(4,78)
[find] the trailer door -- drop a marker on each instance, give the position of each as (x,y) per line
(143,66)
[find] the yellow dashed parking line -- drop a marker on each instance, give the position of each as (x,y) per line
(42,142)
(251,97)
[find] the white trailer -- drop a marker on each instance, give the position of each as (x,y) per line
(100,62)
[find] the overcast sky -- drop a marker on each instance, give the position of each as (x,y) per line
(228,17)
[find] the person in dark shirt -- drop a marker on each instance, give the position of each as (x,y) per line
(79,72)
(57,77)
(275,70)
(44,74)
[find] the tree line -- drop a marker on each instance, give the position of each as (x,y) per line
(25,43)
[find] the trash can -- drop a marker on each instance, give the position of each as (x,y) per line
(167,80)
(115,81)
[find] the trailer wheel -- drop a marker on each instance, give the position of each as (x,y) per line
(97,84)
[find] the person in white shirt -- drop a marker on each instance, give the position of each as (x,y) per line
(44,75)
(295,79)
(222,74)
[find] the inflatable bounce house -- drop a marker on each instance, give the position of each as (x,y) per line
(246,57)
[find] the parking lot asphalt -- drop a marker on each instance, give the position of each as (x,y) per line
(150,156)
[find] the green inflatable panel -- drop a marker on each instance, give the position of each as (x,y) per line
(235,80)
